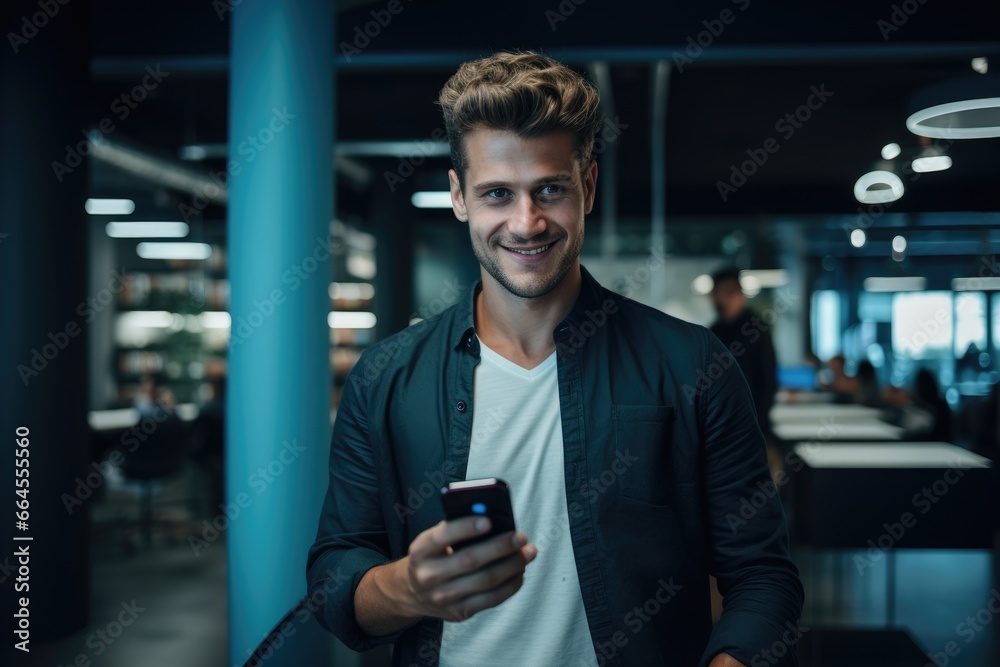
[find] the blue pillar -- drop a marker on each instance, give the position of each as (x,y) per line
(278,398)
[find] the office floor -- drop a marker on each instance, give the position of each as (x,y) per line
(936,594)
(173,601)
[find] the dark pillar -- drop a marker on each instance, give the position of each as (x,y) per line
(43,334)
(392,224)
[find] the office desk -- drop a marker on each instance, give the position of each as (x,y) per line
(876,497)
(795,396)
(792,412)
(848,493)
(833,427)
(125,418)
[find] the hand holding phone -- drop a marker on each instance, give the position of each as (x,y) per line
(432,581)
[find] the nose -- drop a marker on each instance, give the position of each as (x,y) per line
(527,220)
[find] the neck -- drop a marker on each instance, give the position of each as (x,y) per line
(521,329)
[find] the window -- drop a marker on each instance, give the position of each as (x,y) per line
(826,323)
(996,321)
(875,306)
(922,324)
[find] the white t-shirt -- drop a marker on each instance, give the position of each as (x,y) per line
(517,437)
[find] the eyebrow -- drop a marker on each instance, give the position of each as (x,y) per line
(492,185)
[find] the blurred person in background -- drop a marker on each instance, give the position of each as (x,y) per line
(740,329)
(210,441)
(926,395)
(152,398)
(969,365)
(866,388)
(144,398)
(861,388)
(835,379)
(923,412)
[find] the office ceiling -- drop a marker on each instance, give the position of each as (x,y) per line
(727,100)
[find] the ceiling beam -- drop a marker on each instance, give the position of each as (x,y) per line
(114,67)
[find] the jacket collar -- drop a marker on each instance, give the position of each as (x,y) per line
(464,331)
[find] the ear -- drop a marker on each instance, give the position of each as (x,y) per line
(457,198)
(589,186)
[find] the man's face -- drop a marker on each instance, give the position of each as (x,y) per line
(524,200)
(728,299)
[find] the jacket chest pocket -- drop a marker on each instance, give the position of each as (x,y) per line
(642,447)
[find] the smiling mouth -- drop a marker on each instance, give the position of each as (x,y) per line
(533,251)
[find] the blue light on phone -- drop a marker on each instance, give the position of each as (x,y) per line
(478,508)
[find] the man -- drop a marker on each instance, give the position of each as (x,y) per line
(628,454)
(744,333)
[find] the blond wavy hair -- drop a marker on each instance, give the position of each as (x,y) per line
(522,92)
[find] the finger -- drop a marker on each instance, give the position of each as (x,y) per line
(529,551)
(480,581)
(486,600)
(434,540)
(435,571)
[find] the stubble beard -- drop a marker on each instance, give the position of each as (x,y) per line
(491,262)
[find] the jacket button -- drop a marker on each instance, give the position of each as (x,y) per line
(461,406)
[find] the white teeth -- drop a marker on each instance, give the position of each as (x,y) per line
(531,252)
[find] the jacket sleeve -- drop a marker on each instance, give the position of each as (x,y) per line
(352,536)
(747,534)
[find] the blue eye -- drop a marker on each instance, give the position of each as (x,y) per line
(493,194)
(478,508)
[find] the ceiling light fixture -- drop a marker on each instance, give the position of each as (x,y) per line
(963,108)
(894,284)
(109,206)
(148,250)
(440,199)
(890,151)
(702,285)
(975,284)
(344,319)
(878,187)
(766,277)
(923,165)
(138,230)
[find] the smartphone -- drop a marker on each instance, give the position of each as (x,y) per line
(489,497)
